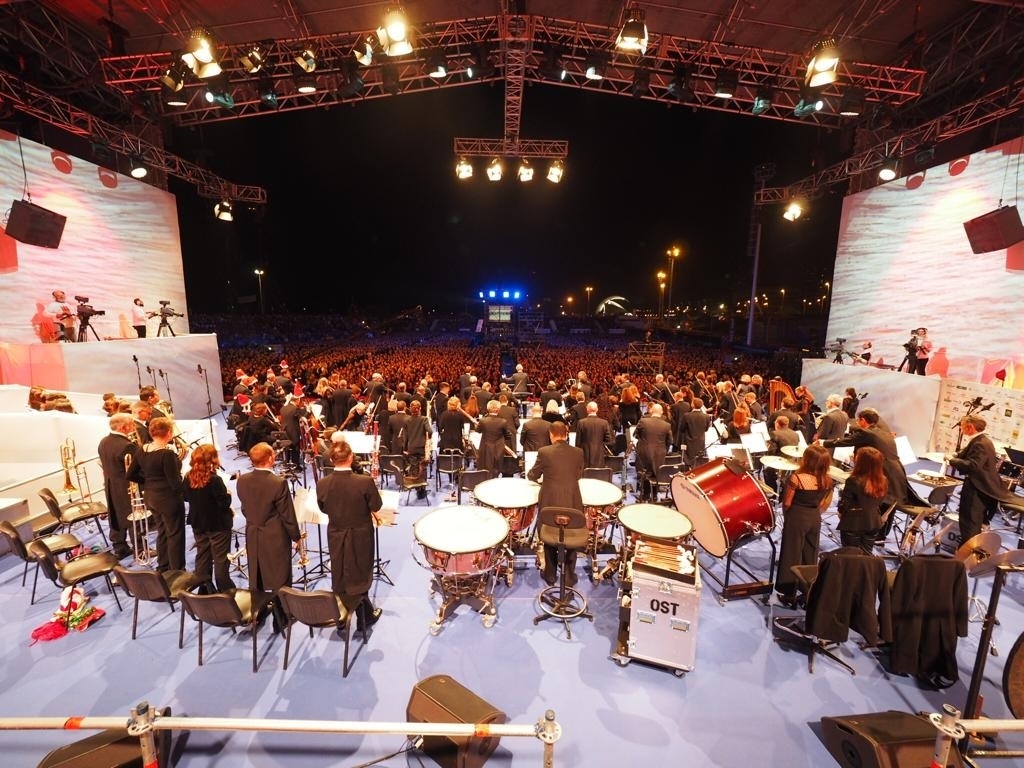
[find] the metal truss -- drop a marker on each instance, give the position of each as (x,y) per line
(1004,102)
(549,149)
(42,106)
(525,39)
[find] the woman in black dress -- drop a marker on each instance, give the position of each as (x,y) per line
(210,515)
(159,471)
(860,500)
(807,495)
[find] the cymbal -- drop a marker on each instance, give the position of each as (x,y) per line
(987,542)
(937,456)
(954,516)
(988,566)
(794,451)
(780,463)
(839,475)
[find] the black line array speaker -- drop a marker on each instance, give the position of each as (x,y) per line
(995,230)
(883,740)
(34,225)
(440,699)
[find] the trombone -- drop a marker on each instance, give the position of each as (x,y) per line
(69,462)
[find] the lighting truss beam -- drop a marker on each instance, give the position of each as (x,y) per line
(533,148)
(527,35)
(42,106)
(1005,102)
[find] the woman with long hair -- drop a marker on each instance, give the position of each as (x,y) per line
(807,495)
(158,469)
(629,406)
(210,515)
(860,501)
(738,425)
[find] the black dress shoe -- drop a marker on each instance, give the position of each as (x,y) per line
(571,578)
(549,579)
(122,552)
(374,617)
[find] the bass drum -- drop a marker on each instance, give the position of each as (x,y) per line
(724,504)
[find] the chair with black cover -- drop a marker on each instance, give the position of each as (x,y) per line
(470,479)
(75,512)
(71,573)
(616,464)
(230,610)
(57,543)
(598,473)
(908,533)
(156,587)
(848,589)
(565,529)
(450,462)
(393,465)
(316,609)
(673,458)
(663,481)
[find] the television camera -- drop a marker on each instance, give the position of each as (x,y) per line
(85,310)
(166,311)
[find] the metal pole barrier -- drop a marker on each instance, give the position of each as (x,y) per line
(948,730)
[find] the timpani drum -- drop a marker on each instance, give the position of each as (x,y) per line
(654,521)
(461,540)
(725,505)
(599,501)
(514,497)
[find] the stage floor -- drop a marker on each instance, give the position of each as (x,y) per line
(748,701)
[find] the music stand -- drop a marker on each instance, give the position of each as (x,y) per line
(307,514)
(386,516)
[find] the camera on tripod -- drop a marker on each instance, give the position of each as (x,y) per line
(85,310)
(167,311)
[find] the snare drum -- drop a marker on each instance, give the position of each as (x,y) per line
(514,497)
(461,540)
(599,500)
(655,521)
(724,506)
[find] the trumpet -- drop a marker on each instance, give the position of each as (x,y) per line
(303,552)
(68,462)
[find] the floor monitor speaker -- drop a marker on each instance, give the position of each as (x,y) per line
(440,699)
(109,749)
(883,740)
(33,225)
(995,230)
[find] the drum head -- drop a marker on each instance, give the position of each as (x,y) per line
(461,529)
(708,529)
(1013,679)
(655,520)
(507,492)
(599,493)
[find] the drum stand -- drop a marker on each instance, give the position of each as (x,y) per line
(455,588)
(321,569)
(729,591)
(379,566)
(597,544)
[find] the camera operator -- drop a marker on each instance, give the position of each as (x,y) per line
(64,317)
(139,315)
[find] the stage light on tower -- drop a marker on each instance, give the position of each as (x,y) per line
(138,168)
(495,170)
(793,211)
(463,169)
(224,210)
(633,35)
(306,58)
(525,170)
(555,171)
(824,65)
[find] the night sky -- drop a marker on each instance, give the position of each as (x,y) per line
(365,213)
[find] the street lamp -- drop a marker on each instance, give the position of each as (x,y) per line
(589,289)
(673,253)
(568,301)
(259,276)
(782,309)
(661,296)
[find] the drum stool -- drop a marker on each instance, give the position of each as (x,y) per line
(566,529)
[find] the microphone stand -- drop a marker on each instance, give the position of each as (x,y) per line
(209,399)
(167,385)
(971,406)
(152,374)
(138,371)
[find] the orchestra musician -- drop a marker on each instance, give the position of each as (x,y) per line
(594,437)
(158,471)
(494,434)
(559,467)
(113,450)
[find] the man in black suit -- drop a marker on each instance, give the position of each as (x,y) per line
(550,393)
(559,468)
(291,412)
(270,527)
(113,450)
(518,380)
(350,502)
(780,436)
(342,401)
(594,436)
(535,434)
(494,435)
(653,438)
(694,435)
(982,489)
(835,421)
(417,433)
(510,413)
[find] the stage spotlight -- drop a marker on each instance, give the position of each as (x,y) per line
(268,93)
(436,64)
(551,66)
(495,170)
(305,83)
(463,169)
(394,33)
(389,79)
(174,76)
(641,82)
(218,93)
(762,100)
(726,83)
(525,171)
(680,88)
(595,65)
(555,171)
(224,211)
(793,211)
(200,47)
(366,49)
(306,59)
(810,102)
(353,81)
(824,65)
(480,65)
(888,170)
(852,103)
(251,59)
(137,168)
(633,35)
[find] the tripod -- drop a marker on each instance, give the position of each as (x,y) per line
(84,328)
(165,327)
